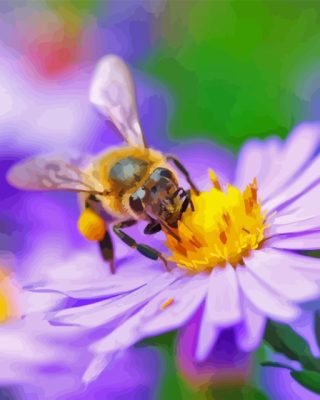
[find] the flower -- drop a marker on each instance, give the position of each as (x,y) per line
(45,362)
(226,364)
(237,261)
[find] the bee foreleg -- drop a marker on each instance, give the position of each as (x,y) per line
(152,227)
(184,171)
(144,249)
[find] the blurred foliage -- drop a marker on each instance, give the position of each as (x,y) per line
(284,340)
(238,69)
(245,392)
(172,385)
(76,7)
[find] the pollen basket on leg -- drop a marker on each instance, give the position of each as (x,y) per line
(223,228)
(9,297)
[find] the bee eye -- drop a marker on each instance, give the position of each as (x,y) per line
(153,189)
(136,204)
(166,173)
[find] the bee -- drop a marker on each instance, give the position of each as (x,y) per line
(124,184)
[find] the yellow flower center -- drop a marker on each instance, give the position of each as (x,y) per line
(9,294)
(223,228)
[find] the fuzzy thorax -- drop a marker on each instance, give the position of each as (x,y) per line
(224,227)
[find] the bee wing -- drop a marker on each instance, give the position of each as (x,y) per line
(53,173)
(112,92)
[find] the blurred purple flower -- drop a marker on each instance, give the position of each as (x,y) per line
(43,361)
(133,304)
(225,362)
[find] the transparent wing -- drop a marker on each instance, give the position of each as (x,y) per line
(112,92)
(53,173)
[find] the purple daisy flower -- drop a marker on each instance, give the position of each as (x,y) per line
(42,361)
(236,263)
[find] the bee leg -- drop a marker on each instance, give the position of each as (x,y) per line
(152,227)
(184,171)
(144,249)
(105,244)
(106,249)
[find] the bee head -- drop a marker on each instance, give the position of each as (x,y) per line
(159,197)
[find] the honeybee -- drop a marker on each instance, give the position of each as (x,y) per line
(128,183)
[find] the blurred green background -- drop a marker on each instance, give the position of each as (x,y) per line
(239,69)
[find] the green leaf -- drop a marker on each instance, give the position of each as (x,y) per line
(308,379)
(275,365)
(245,392)
(283,339)
(317,326)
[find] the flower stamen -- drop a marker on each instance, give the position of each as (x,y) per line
(167,303)
(225,226)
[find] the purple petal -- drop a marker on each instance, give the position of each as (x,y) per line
(309,267)
(41,302)
(304,207)
(136,327)
(268,161)
(103,312)
(187,294)
(125,335)
(304,182)
(298,149)
(254,161)
(223,304)
(302,225)
(222,308)
(298,241)
(276,270)
(208,335)
(77,278)
(249,334)
(264,299)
